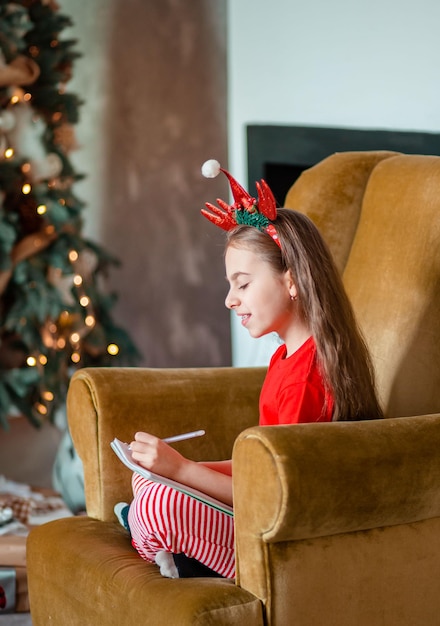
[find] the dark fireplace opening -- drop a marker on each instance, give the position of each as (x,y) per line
(279,153)
(280,177)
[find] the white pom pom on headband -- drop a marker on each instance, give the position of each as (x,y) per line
(211,168)
(246,209)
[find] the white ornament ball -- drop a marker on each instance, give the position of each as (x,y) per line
(211,168)
(49,166)
(54,164)
(7,121)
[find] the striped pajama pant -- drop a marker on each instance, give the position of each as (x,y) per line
(163,519)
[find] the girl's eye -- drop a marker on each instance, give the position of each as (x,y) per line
(243,286)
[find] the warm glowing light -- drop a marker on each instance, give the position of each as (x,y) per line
(112,349)
(75,337)
(43,359)
(90,320)
(61,343)
(73,256)
(27,96)
(26,188)
(48,395)
(41,409)
(31,361)
(77,280)
(15,99)
(41,209)
(9,153)
(26,168)
(53,328)
(84,301)
(76,357)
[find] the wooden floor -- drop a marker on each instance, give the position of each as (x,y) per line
(17,619)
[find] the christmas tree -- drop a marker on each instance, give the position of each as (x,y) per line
(54,311)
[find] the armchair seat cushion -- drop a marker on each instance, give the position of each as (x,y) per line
(114,577)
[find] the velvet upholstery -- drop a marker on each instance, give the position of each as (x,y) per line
(334,203)
(323,495)
(89,574)
(393,280)
(336,524)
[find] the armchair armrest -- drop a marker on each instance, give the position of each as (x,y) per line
(302,482)
(103,403)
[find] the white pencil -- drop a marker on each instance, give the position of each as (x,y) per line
(195,433)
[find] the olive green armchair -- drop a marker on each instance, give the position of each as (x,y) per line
(336,524)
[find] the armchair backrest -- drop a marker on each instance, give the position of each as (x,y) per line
(380,215)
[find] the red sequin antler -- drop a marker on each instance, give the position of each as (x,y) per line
(266,202)
(223,217)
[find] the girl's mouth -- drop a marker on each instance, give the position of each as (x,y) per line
(245,319)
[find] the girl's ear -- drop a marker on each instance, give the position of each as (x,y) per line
(290,284)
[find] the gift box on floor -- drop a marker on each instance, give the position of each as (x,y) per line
(13,590)
(25,508)
(12,550)
(13,578)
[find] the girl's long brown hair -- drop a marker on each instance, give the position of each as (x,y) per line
(341,351)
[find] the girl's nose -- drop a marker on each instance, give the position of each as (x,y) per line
(230,300)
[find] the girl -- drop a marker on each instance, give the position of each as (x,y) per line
(281,279)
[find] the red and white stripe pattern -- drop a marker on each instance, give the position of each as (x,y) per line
(162,518)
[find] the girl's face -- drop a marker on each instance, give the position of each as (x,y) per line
(258,295)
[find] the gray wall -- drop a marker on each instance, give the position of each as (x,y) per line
(153,80)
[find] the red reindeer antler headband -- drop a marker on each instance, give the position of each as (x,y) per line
(246,209)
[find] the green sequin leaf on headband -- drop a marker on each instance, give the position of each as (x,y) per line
(257,219)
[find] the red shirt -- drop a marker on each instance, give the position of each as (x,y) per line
(293,391)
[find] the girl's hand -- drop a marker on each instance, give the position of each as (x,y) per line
(157,456)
